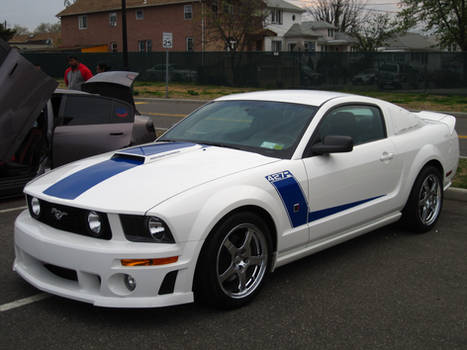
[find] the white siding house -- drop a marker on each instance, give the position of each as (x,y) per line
(283,15)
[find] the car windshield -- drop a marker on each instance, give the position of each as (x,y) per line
(269,128)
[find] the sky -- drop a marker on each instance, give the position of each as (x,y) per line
(30,13)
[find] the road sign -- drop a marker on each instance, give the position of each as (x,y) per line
(167,40)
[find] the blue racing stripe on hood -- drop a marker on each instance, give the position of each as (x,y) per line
(76,184)
(155,148)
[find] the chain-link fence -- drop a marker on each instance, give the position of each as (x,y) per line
(320,70)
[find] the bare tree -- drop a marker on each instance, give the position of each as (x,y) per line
(48,28)
(372,33)
(232,22)
(345,15)
(20,30)
(445,18)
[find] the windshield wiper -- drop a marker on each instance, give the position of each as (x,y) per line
(219,144)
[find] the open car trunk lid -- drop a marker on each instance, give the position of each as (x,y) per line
(115,84)
(24,92)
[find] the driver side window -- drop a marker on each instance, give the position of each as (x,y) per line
(362,123)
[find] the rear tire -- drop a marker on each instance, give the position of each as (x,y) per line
(425,201)
(234,262)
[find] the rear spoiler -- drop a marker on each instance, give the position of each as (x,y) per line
(446,119)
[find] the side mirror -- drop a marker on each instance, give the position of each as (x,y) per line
(333,144)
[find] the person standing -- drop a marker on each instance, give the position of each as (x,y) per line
(76,73)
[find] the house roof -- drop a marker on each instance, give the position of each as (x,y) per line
(281,4)
(302,30)
(91,6)
(319,25)
(39,37)
(410,41)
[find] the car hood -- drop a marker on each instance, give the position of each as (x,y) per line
(24,92)
(134,180)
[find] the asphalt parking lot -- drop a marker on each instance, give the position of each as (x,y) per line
(389,289)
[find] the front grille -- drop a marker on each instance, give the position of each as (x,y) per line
(70,219)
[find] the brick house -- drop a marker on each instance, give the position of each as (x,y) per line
(97,23)
(95,26)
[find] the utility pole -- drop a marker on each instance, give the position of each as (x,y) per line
(124,36)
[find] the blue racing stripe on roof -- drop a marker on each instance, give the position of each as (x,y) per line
(76,184)
(155,148)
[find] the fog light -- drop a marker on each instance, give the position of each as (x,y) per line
(94,222)
(130,283)
(35,207)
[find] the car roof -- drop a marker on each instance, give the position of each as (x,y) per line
(307,97)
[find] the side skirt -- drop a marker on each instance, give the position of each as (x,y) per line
(314,247)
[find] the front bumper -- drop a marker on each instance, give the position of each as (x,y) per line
(98,276)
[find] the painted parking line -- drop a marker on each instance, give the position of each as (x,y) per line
(12,209)
(22,302)
(141,103)
(462,136)
(172,115)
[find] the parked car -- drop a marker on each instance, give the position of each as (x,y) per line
(43,127)
(398,76)
(365,77)
(243,185)
(158,72)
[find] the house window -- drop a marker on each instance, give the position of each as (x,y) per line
(83,22)
(231,45)
(276,16)
(228,7)
(113,19)
(330,33)
(189,44)
(293,18)
(310,46)
(276,45)
(292,47)
(113,46)
(214,6)
(144,45)
(139,14)
(188,11)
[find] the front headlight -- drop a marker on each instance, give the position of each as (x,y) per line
(146,229)
(35,207)
(94,222)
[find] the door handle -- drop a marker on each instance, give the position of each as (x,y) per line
(116,133)
(385,157)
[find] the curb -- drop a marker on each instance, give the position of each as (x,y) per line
(457,194)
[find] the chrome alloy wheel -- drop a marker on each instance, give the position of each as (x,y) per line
(429,200)
(242,261)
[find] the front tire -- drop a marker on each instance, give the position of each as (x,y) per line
(425,202)
(234,262)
